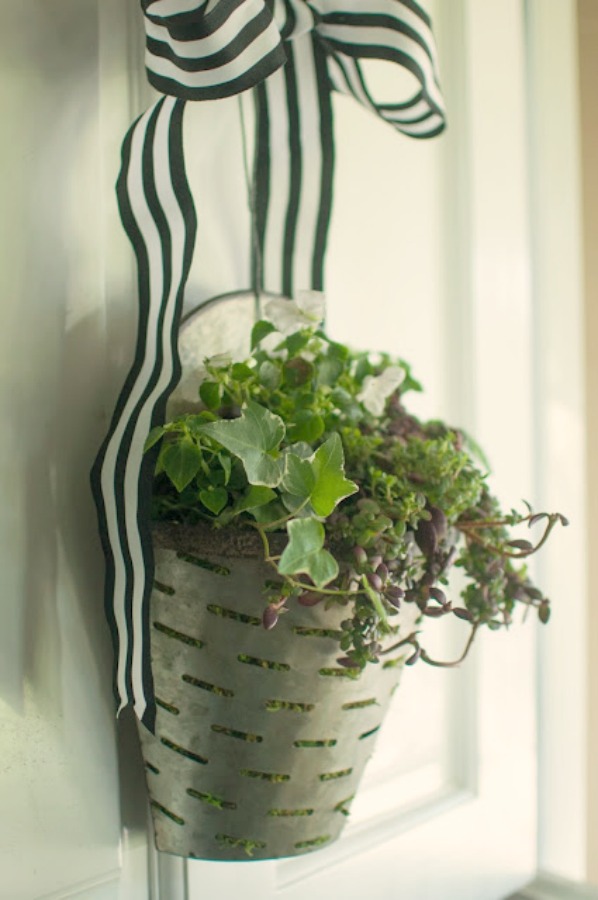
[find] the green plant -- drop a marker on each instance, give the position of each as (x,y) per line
(309,439)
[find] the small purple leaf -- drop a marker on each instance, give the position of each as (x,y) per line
(438,521)
(375,581)
(463,613)
(518,544)
(347,662)
(438,595)
(544,612)
(426,537)
(382,572)
(414,657)
(536,518)
(270,617)
(360,556)
(434,612)
(309,599)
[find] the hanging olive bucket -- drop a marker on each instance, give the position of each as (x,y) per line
(261,738)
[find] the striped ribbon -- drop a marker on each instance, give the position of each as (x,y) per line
(293,54)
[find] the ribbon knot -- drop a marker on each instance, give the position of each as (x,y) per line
(294,18)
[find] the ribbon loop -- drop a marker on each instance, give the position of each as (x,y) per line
(397,31)
(207,51)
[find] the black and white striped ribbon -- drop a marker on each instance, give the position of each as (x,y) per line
(294,54)
(158,214)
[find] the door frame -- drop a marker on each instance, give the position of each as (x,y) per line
(555,253)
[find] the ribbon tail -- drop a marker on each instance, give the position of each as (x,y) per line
(159,217)
(294,170)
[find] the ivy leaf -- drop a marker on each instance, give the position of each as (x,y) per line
(331,486)
(214,499)
(153,437)
(336,350)
(295,505)
(305,553)
(296,342)
(241,372)
(308,426)
(259,331)
(329,370)
(256,496)
(269,513)
(270,375)
(181,461)
(254,437)
(300,449)
(211,394)
(194,423)
(226,463)
(319,479)
(299,478)
(159,462)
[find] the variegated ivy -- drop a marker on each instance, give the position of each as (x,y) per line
(308,438)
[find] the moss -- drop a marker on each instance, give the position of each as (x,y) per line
(247,844)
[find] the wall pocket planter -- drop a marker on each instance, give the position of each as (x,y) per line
(261,738)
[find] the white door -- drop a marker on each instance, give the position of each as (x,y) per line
(429,259)
(74,810)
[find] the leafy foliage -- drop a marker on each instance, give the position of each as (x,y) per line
(305,554)
(310,439)
(254,438)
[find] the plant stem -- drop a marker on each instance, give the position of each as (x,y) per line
(410,639)
(282,521)
(452,665)
(502,550)
(271,560)
(329,592)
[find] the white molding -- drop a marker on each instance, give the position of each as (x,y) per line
(551,887)
(138,83)
(168,876)
(103,887)
(373,832)
(587,46)
(559,412)
(121,60)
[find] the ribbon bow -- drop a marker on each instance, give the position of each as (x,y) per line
(293,54)
(213,49)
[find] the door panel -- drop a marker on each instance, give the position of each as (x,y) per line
(429,259)
(59,779)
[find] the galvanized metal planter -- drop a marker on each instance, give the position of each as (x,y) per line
(261,737)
